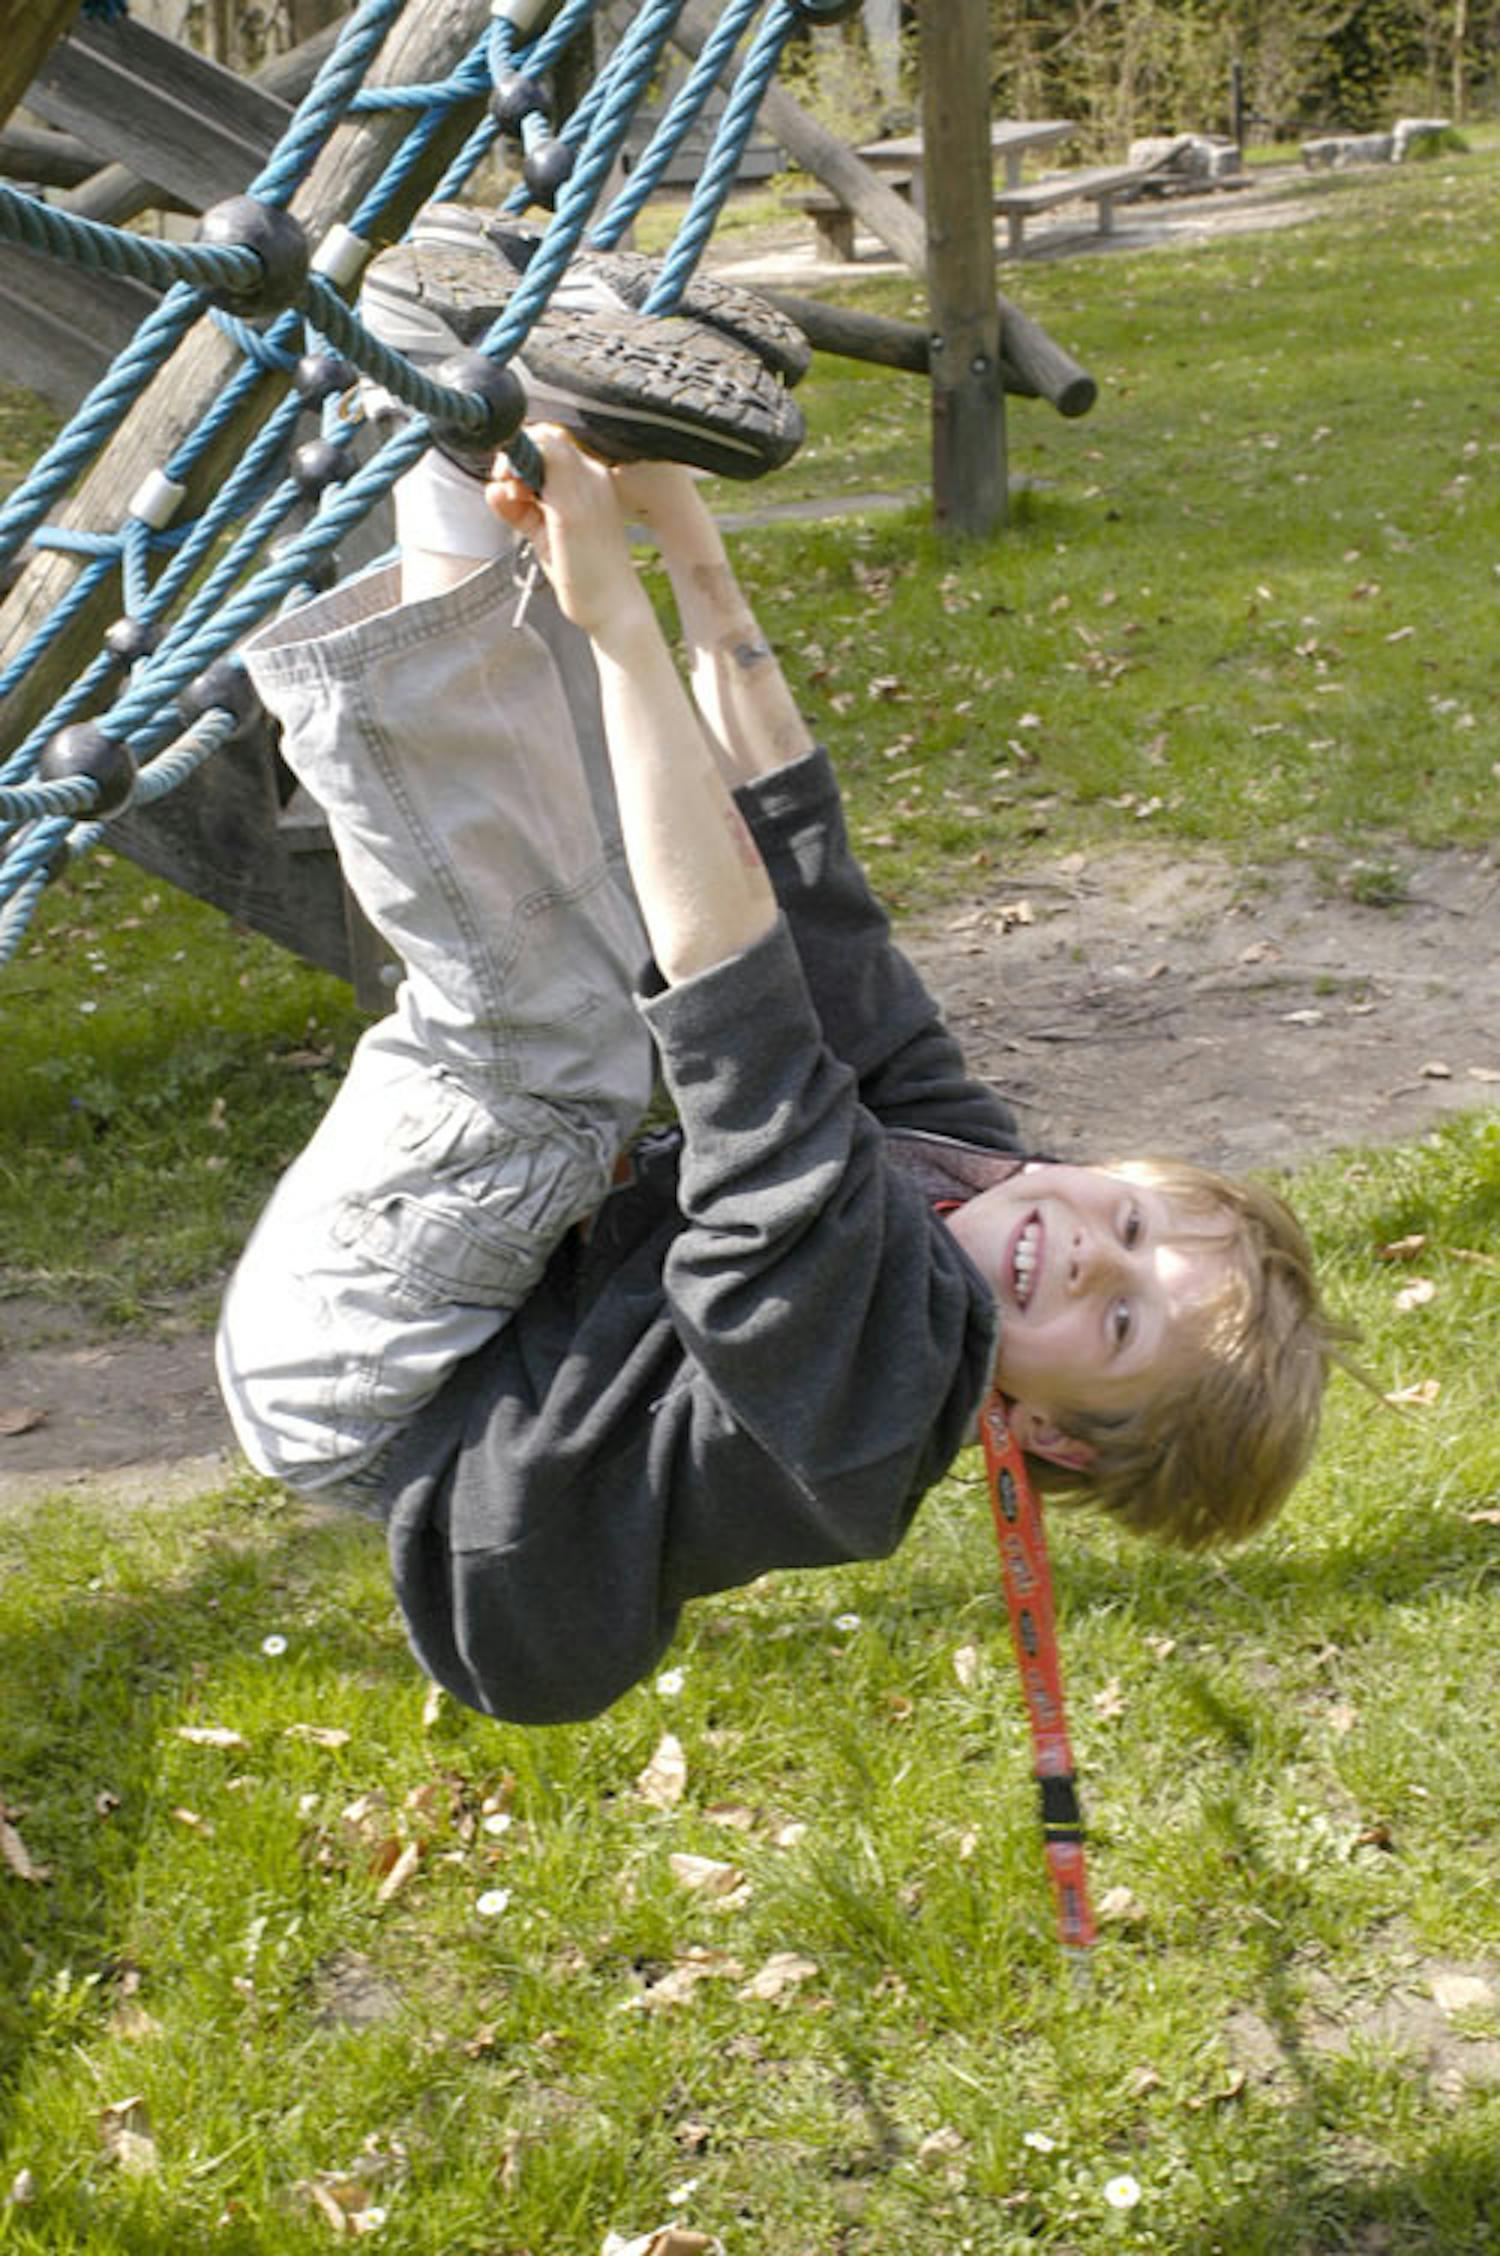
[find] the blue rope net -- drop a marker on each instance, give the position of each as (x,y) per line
(191,585)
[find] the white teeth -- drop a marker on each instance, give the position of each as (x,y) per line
(1025,1261)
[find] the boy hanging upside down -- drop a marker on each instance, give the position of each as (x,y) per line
(583,1378)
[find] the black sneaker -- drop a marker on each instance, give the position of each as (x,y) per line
(634,387)
(742,315)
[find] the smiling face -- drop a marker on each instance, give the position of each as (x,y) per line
(1107,1287)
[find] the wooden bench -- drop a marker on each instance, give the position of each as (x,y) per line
(1101,188)
(833,221)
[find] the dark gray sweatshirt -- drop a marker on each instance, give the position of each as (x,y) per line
(766,1347)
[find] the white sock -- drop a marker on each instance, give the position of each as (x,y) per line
(441,510)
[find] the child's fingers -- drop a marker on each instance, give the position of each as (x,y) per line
(514,500)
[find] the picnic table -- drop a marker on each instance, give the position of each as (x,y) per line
(898,161)
(1011,140)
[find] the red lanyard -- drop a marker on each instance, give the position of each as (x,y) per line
(1028,1594)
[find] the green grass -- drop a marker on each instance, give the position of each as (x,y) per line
(1289,1759)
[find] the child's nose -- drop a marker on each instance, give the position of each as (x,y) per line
(1096,1260)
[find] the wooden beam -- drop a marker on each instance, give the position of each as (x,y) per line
(116,195)
(425,41)
(968,407)
(28,31)
(42,158)
(146,101)
(60,326)
(901,344)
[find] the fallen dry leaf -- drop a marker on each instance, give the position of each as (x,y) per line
(1110,1702)
(405,1864)
(16,1857)
(193,1822)
(1232,2087)
(967,1663)
(1415,1295)
(1420,1395)
(676,1986)
(212,1735)
(318,1734)
(667,2240)
(21,1421)
(1435,1070)
(1120,1907)
(1402,1249)
(705,1875)
(1457,1993)
(344,2204)
(783,1971)
(1488,1515)
(663,1782)
(737,1816)
(432,1706)
(125,2135)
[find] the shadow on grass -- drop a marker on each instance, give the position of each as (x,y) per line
(93,1682)
(1445,2204)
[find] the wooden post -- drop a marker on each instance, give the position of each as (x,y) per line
(29,30)
(968,403)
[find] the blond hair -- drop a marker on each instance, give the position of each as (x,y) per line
(1212,1456)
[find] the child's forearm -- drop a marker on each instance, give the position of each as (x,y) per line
(738,685)
(701,885)
(699,879)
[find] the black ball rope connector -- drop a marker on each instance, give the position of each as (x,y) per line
(514,98)
(319,376)
(318,464)
(223,687)
(85,749)
(504,397)
(279,243)
(498,388)
(130,639)
(545,170)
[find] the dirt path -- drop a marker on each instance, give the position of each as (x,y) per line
(1139,1003)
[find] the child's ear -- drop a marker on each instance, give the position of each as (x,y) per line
(1036,1433)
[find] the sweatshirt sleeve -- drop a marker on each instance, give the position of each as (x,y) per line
(871,1003)
(830,1314)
